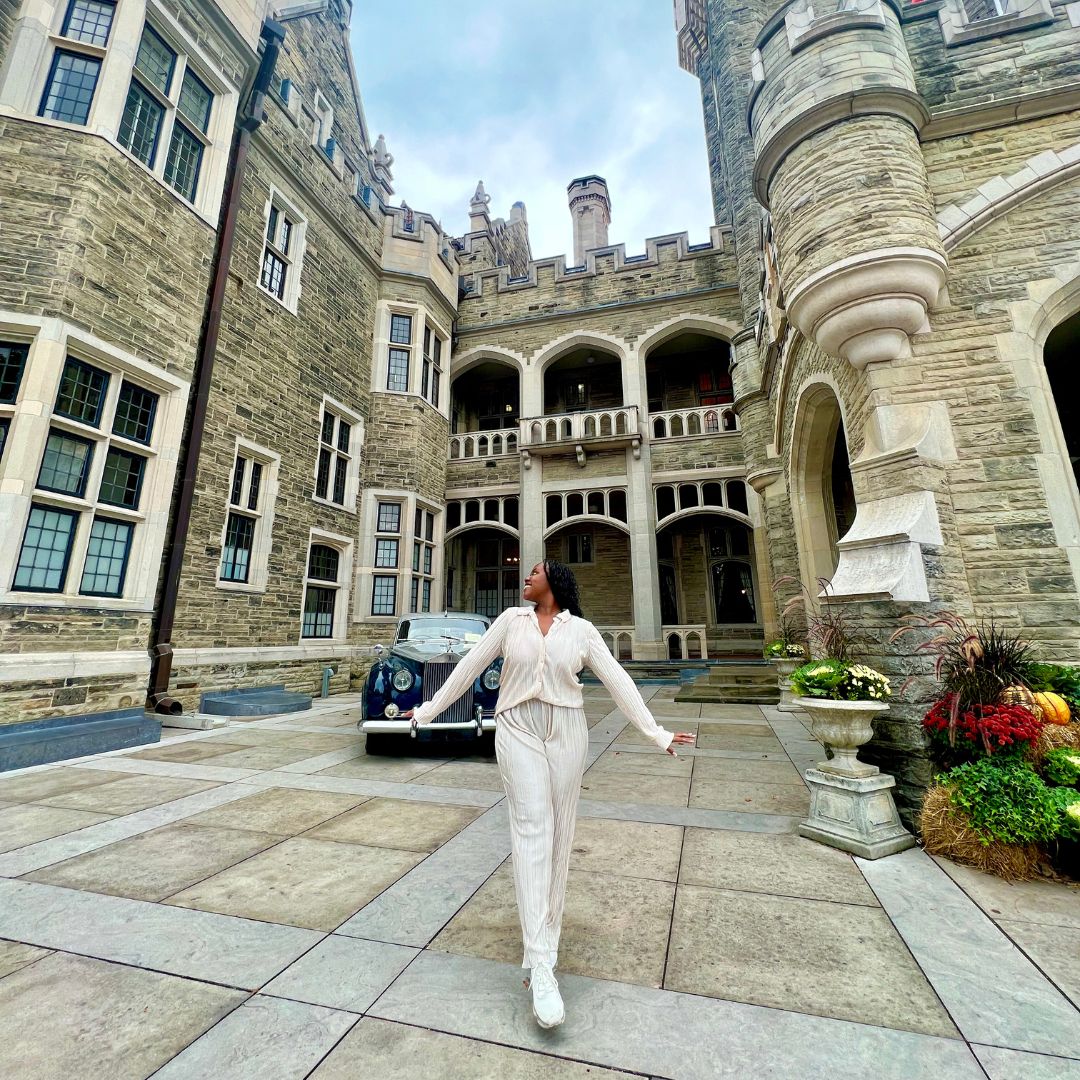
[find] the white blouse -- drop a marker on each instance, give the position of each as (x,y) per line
(545,668)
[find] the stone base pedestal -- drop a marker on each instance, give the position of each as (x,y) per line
(784,668)
(855,814)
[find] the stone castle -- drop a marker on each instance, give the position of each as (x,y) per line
(251,411)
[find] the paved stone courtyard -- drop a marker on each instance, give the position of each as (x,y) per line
(266,901)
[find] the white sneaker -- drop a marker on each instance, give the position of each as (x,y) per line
(547,1003)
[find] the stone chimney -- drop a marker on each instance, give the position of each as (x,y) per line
(590,208)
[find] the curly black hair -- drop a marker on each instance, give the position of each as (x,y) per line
(564,586)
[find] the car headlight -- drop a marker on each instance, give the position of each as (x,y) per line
(492,678)
(403,679)
(391,711)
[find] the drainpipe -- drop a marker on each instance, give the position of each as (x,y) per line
(161,646)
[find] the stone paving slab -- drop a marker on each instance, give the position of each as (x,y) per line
(39,783)
(414,792)
(102,1019)
(27,823)
(186,751)
(681,815)
(628,848)
(389,1051)
(638,788)
(662,1034)
(46,852)
(315,884)
(750,796)
(805,956)
(613,927)
(1030,901)
(342,973)
(1002,1064)
(746,771)
(14,956)
(281,811)
(783,865)
(194,944)
(1054,949)
(993,992)
(158,863)
(419,904)
(397,823)
(265,1039)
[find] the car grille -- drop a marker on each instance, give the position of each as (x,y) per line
(435,674)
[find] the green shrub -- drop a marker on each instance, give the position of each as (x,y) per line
(1057,679)
(1006,801)
(1062,767)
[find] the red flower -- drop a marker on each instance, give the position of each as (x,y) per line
(994,726)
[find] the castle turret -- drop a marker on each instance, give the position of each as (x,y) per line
(590,208)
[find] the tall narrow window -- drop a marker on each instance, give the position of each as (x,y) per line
(106,558)
(245,516)
(188,136)
(386,556)
(423,560)
(399,355)
(46,550)
(321,592)
(12,366)
(278,269)
(431,371)
(335,458)
(148,97)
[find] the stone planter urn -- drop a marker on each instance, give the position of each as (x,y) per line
(785,665)
(851,802)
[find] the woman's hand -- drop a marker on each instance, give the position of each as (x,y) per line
(681,738)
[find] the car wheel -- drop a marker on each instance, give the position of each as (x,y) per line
(377,742)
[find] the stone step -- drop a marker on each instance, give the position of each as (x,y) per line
(695,695)
(749,683)
(254,701)
(62,737)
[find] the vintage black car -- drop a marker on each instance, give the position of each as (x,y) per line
(425,650)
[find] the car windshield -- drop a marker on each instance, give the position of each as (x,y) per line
(467,630)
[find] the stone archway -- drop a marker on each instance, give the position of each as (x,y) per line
(1060,353)
(823,497)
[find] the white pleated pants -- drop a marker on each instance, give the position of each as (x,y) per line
(541,752)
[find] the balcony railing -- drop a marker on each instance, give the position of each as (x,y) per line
(686,642)
(705,420)
(580,431)
(619,640)
(483,444)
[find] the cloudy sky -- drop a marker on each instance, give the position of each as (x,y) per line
(526,96)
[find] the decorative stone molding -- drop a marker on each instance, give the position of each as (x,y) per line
(866,308)
(1000,194)
(805,24)
(881,555)
(958,29)
(920,431)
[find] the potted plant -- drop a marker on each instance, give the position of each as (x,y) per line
(785,653)
(851,803)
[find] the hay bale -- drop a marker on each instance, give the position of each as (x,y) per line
(946,831)
(1054,737)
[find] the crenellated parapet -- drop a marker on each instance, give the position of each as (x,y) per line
(657,250)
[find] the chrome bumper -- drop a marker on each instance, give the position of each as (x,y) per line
(382,726)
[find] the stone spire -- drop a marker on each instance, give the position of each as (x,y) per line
(479,218)
(382,159)
(590,209)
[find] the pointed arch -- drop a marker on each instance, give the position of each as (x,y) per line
(724,329)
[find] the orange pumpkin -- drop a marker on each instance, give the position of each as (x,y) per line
(1054,707)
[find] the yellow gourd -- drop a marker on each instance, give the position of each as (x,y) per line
(1055,708)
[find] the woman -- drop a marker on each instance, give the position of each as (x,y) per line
(541,740)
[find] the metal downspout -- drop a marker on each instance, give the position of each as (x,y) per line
(161,646)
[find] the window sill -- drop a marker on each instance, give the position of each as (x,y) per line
(347,507)
(289,306)
(963,33)
(239,586)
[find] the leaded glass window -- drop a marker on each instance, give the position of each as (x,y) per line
(397,377)
(65,464)
(276,261)
(384,595)
(319,604)
(46,550)
(195,100)
(389,518)
(89,21)
(82,392)
(386,553)
(12,365)
(324,562)
(184,162)
(106,558)
(69,90)
(236,552)
(401,329)
(121,482)
(135,411)
(332,469)
(155,61)
(140,125)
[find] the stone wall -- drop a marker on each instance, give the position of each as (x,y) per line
(605,585)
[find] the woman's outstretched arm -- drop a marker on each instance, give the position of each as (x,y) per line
(621,687)
(476,660)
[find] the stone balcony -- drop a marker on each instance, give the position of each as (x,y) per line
(483,444)
(704,420)
(577,432)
